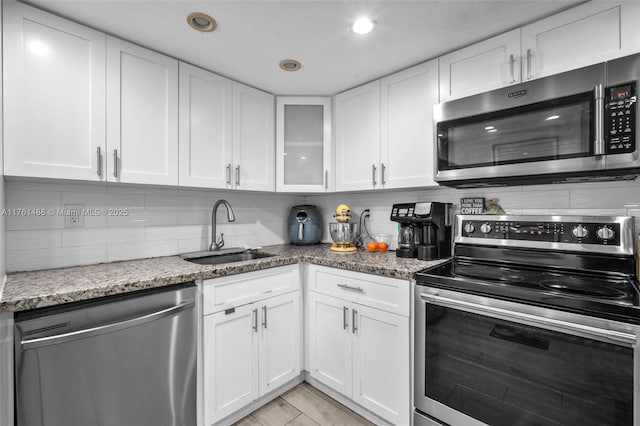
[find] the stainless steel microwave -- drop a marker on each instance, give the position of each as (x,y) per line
(579,125)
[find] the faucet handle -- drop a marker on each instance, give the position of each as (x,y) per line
(220,242)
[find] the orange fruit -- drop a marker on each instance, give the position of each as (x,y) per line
(382,246)
(372,246)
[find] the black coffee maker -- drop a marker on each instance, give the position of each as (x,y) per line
(425,229)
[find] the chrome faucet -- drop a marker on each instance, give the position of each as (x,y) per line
(218,244)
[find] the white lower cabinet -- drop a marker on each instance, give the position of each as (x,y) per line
(360,351)
(251,349)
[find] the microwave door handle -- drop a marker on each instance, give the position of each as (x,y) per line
(598,143)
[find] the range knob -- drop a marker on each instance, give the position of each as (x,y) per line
(580,231)
(605,233)
(469,228)
(485,228)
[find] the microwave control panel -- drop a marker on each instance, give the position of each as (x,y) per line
(620,119)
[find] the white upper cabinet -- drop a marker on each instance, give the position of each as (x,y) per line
(253,165)
(54,78)
(303,144)
(581,36)
(206,120)
(357,147)
(483,66)
(407,135)
(384,131)
(142,115)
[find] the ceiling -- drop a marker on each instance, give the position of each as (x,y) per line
(253,36)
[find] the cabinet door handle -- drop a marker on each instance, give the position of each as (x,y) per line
(229,174)
(264,316)
(115,163)
(529,64)
(255,320)
(326,179)
(512,62)
(373,174)
(348,287)
(345,315)
(354,326)
(99,161)
(238,175)
(384,168)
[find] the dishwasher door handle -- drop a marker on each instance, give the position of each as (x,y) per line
(106,328)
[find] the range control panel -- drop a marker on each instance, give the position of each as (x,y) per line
(553,232)
(620,119)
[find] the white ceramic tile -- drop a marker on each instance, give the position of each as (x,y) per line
(32,202)
(100,200)
(106,204)
(120,188)
(28,260)
(194,216)
(162,201)
(145,217)
(578,212)
(141,249)
(29,184)
(185,246)
(184,232)
(612,197)
(100,236)
(28,240)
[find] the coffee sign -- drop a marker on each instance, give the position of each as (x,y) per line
(471,205)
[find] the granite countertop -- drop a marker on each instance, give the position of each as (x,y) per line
(36,289)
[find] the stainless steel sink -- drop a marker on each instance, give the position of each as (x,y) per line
(217,259)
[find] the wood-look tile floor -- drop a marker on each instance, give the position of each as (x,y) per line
(303,406)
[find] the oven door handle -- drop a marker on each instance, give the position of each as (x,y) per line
(616,336)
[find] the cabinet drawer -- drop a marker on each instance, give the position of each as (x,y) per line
(236,290)
(388,294)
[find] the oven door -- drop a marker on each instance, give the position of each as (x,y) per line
(486,361)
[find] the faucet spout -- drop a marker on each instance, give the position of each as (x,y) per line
(215,243)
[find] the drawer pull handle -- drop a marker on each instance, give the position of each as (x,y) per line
(348,287)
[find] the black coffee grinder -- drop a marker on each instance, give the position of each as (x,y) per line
(425,229)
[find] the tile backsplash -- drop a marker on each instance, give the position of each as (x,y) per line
(132,222)
(619,198)
(165,221)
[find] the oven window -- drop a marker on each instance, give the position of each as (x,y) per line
(545,131)
(504,373)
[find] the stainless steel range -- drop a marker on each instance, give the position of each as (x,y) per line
(534,321)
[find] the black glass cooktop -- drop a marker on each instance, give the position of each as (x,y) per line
(613,296)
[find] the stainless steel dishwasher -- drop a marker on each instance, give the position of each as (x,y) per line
(117,361)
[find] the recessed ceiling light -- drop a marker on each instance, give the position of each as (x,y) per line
(363,25)
(290,65)
(552,117)
(201,22)
(489,128)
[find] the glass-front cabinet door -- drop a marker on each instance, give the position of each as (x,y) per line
(303,144)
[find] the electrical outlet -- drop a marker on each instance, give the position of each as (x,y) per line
(73,215)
